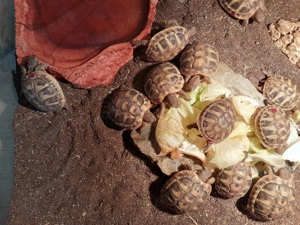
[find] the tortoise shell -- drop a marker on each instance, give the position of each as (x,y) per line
(272,197)
(216,120)
(185,192)
(127,108)
(280,91)
(42,91)
(241,9)
(162,80)
(167,44)
(199,59)
(272,126)
(234,180)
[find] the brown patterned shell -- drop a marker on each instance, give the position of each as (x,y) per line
(241,9)
(272,197)
(127,108)
(42,91)
(272,126)
(199,59)
(162,80)
(234,181)
(280,91)
(216,120)
(185,192)
(166,44)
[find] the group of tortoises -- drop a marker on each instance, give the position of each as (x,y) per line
(272,196)
(165,82)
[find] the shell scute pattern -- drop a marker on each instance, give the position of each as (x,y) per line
(41,89)
(234,180)
(271,197)
(166,44)
(281,91)
(241,9)
(217,120)
(185,192)
(199,59)
(127,108)
(162,80)
(272,126)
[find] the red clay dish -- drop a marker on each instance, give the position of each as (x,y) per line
(85,42)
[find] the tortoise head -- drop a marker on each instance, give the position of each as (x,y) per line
(31,63)
(285,173)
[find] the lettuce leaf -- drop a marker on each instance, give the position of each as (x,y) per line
(231,150)
(245,106)
(209,92)
(228,152)
(258,153)
(173,133)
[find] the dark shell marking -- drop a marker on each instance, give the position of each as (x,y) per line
(280,91)
(271,197)
(217,120)
(185,192)
(166,44)
(162,80)
(234,180)
(127,108)
(42,91)
(241,9)
(199,59)
(272,126)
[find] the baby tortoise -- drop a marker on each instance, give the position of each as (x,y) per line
(129,108)
(165,81)
(272,126)
(186,191)
(281,91)
(245,9)
(216,120)
(235,180)
(168,43)
(40,88)
(272,196)
(196,60)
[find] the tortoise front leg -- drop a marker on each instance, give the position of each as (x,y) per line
(149,117)
(41,66)
(192,83)
(184,95)
(137,43)
(173,100)
(245,22)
